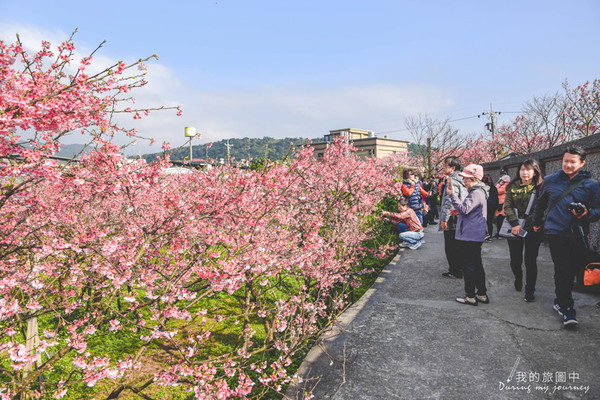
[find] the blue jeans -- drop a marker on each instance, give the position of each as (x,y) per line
(411,237)
(419,215)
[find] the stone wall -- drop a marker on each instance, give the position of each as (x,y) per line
(551,161)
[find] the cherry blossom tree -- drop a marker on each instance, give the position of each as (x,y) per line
(435,140)
(117,278)
(546,121)
(583,114)
(43,97)
(546,115)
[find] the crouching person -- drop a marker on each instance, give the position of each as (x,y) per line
(470,233)
(411,230)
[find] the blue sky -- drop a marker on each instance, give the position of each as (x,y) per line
(301,68)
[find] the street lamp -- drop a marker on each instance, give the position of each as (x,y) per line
(190,131)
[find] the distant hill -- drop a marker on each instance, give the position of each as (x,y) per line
(72,150)
(246,148)
(413,148)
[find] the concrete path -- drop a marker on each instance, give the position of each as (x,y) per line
(407,337)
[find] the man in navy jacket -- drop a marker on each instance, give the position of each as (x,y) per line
(563,225)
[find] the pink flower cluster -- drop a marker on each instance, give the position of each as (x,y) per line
(109,248)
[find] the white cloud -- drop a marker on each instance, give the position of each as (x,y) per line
(30,37)
(289,111)
(279,112)
(161,90)
(306,112)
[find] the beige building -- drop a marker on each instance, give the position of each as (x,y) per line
(367,143)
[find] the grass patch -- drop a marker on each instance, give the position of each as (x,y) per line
(227,335)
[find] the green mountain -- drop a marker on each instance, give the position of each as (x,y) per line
(414,149)
(73,150)
(246,148)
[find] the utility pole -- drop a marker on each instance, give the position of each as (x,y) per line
(492,125)
(32,340)
(493,118)
(429,168)
(190,132)
(228,153)
(248,150)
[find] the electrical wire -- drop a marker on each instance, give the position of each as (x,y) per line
(406,129)
(458,119)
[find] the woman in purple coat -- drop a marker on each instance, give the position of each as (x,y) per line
(470,233)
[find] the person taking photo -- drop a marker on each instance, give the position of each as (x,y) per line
(414,193)
(569,200)
(411,230)
(470,233)
(449,216)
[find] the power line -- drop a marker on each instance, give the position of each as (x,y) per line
(453,120)
(460,119)
(491,126)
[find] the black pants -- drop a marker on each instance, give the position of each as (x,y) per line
(431,214)
(433,208)
(452,250)
(490,218)
(499,221)
(470,253)
(531,244)
(568,256)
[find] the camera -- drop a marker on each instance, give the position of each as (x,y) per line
(577,207)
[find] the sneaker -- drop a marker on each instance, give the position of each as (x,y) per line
(405,244)
(471,301)
(482,299)
(415,246)
(423,241)
(451,276)
(558,309)
(569,317)
(530,298)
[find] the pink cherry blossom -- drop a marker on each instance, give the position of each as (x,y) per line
(107,248)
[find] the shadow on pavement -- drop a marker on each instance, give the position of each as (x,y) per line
(407,338)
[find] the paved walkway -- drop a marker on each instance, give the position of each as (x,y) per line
(407,338)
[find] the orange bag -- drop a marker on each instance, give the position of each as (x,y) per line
(591,275)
